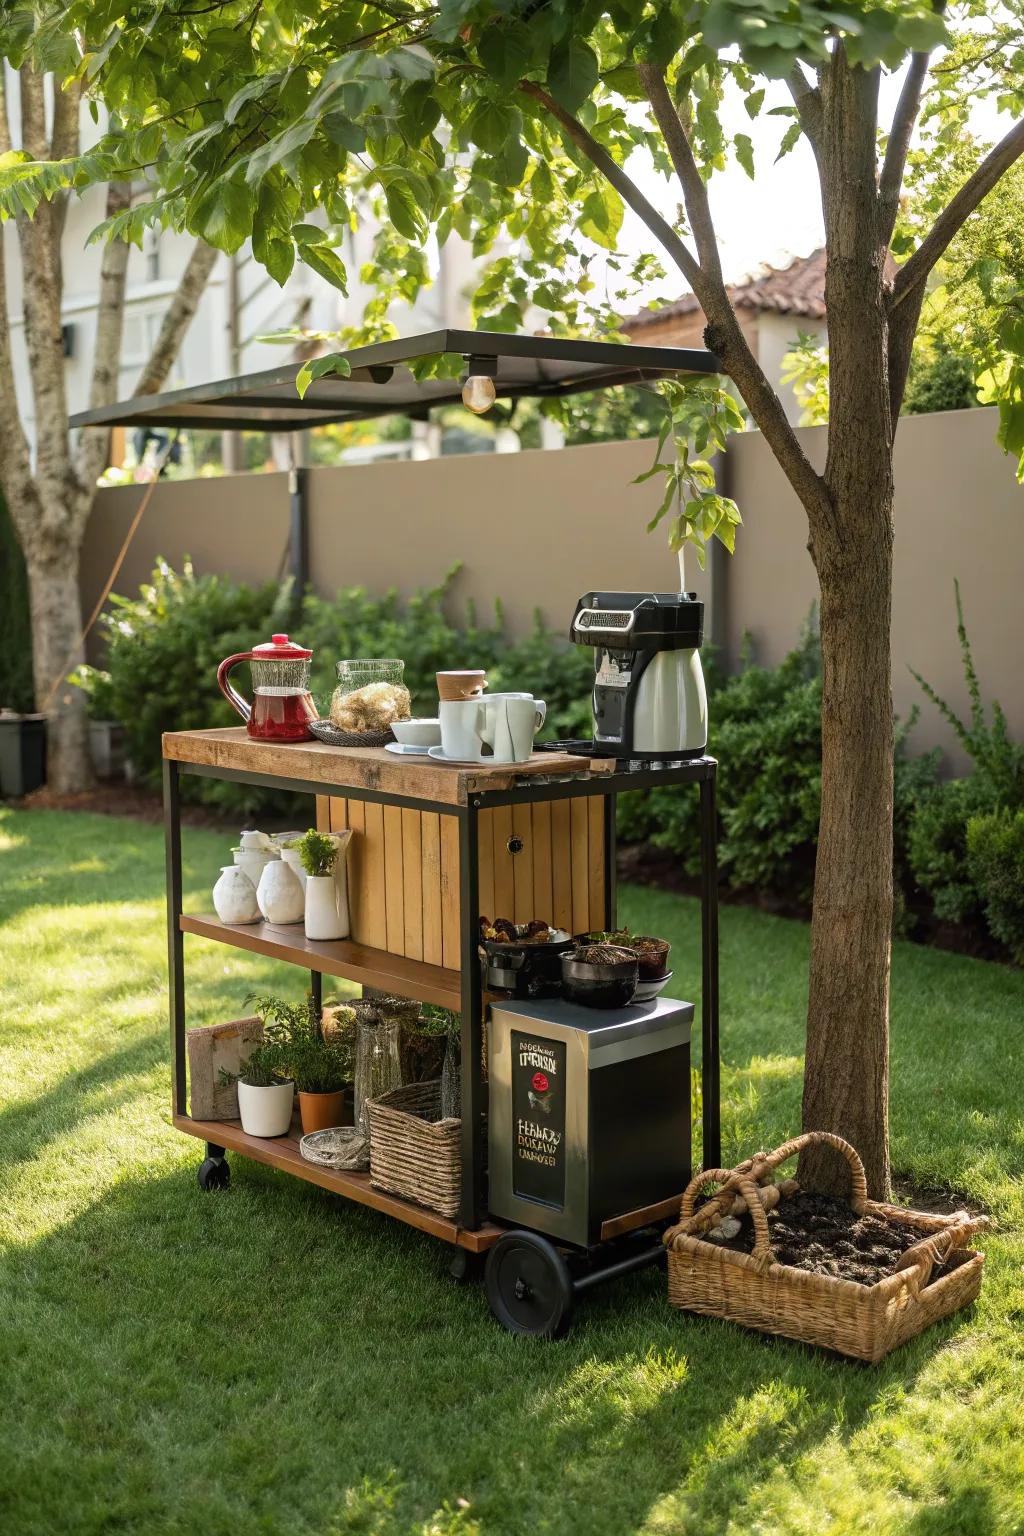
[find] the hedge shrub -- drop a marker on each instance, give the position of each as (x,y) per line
(995,858)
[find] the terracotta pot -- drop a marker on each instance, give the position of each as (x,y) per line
(322,1111)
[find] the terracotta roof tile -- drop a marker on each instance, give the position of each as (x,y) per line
(796,289)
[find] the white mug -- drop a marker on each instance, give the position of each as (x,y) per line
(460,737)
(508,723)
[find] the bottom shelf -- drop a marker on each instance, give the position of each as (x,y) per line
(283,1152)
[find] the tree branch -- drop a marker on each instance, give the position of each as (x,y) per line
(996,163)
(93,448)
(626,188)
(807,100)
(177,319)
(695,193)
(902,330)
(723,334)
(895,162)
(33,112)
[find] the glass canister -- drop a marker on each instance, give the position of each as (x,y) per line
(370,695)
(378,1067)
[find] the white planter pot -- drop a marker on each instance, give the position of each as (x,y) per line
(234,896)
(324,917)
(280,895)
(266,1111)
(253,861)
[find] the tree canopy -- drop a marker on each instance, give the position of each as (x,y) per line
(513,122)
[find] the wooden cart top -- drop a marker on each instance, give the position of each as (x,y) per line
(368,768)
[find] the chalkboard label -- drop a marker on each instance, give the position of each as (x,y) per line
(538,1119)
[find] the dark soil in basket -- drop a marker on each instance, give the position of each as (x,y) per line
(821,1234)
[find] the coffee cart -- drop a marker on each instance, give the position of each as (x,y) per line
(437,846)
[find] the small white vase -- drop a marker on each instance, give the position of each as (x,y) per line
(265,1111)
(280,895)
(324,918)
(234,896)
(256,840)
(293,858)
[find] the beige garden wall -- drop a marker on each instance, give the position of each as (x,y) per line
(537,529)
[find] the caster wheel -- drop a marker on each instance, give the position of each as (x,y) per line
(464,1267)
(528,1285)
(214,1173)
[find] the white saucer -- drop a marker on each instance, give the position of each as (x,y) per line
(403,749)
(440,756)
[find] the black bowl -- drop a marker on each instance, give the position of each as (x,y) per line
(525,969)
(605,985)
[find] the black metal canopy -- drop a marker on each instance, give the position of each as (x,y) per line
(382,382)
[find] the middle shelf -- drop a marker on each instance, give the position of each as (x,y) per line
(375,968)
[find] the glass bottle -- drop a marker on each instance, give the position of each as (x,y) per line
(378,1068)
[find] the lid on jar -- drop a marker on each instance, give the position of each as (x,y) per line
(280,648)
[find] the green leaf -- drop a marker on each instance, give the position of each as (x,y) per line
(317,367)
(602,217)
(278,256)
(342,130)
(789,140)
(308,234)
(505,52)
(493,124)
(744,146)
(420,111)
(404,211)
(223,215)
(327,264)
(572,73)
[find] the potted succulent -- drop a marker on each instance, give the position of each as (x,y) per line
(319,1063)
(265,1091)
(325,919)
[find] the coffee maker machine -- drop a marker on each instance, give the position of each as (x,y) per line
(649,697)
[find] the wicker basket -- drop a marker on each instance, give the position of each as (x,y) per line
(413,1152)
(865,1321)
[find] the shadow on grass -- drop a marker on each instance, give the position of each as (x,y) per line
(272,1358)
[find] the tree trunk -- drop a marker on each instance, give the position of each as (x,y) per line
(56,613)
(846,1082)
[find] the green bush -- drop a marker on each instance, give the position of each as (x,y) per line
(995,858)
(164,646)
(937,840)
(766,733)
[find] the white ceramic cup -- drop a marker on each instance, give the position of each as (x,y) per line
(460,736)
(508,723)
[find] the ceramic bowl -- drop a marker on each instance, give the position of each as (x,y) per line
(417,733)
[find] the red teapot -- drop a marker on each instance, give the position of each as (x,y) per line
(282,705)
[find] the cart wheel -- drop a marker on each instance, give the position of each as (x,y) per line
(528,1285)
(464,1267)
(214,1173)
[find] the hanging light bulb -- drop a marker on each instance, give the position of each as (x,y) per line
(478,393)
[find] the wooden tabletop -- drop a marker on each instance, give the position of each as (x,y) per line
(418,778)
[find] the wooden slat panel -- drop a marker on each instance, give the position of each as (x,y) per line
(485,825)
(412,877)
(375,876)
(595,810)
(339,814)
(430,887)
(365,767)
(283,1152)
(394,880)
(450,892)
(323,813)
(580,866)
(561,865)
(504,886)
(522,865)
(543,902)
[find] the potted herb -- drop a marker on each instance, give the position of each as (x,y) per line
(265,1091)
(319,1063)
(319,852)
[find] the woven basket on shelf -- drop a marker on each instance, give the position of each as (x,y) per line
(866,1321)
(413,1152)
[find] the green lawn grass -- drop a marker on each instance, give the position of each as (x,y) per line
(274,1360)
